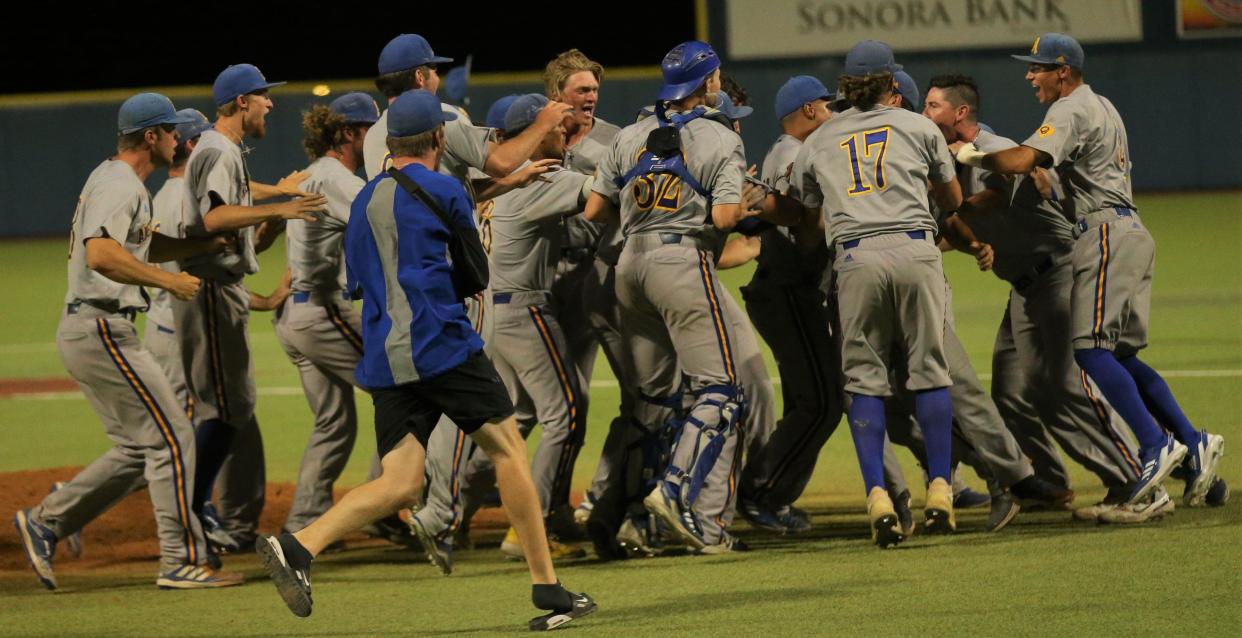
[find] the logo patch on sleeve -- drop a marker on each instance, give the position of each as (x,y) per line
(1046,130)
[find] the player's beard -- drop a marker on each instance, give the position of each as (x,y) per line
(256,127)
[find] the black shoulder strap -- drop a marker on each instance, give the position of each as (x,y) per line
(412,187)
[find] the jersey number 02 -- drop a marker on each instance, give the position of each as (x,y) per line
(859,146)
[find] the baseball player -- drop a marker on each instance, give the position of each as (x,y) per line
(318,327)
(868,169)
(668,291)
(419,364)
(212,326)
(1035,382)
(1084,140)
(111,241)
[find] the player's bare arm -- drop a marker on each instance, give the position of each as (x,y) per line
(601,210)
(110,259)
(1019,160)
(267,233)
(947,195)
(165,248)
(506,157)
(738,251)
(288,186)
(726,216)
(960,237)
(230,217)
(494,187)
(782,210)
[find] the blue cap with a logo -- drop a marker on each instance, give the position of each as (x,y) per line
(870,56)
(523,111)
(1055,48)
(416,111)
(239,79)
(192,129)
(799,90)
(407,51)
(685,68)
(725,105)
(357,107)
(496,114)
(908,89)
(147,109)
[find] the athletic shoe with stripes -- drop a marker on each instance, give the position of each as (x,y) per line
(39,544)
(213,529)
(293,584)
(1158,462)
(1152,509)
(1201,462)
(439,553)
(584,605)
(73,542)
(198,577)
(668,509)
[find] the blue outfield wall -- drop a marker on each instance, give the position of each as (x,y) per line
(1180,102)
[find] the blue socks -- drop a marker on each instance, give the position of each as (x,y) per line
(1160,402)
(867,427)
(934,411)
(1119,387)
(212,440)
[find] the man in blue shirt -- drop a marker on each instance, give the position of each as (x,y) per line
(421,359)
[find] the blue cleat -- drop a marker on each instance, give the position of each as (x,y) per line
(1202,460)
(668,508)
(1158,462)
(439,552)
(40,545)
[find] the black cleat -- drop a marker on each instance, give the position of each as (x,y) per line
(292,584)
(584,605)
(1035,490)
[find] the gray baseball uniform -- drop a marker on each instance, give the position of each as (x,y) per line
(1114,255)
(99,346)
(465,146)
(527,344)
(160,337)
(1036,384)
(790,311)
(868,170)
(670,300)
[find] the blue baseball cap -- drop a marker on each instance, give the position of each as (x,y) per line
(407,51)
(192,129)
(685,68)
(456,82)
(908,89)
(496,114)
(239,79)
(523,111)
(1055,48)
(870,56)
(147,109)
(725,105)
(357,107)
(799,90)
(416,111)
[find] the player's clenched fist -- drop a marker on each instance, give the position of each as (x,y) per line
(184,286)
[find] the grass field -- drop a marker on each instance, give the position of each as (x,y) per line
(1043,575)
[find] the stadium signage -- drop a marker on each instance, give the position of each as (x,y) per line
(793,28)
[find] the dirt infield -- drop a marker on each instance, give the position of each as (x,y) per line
(10,387)
(126,533)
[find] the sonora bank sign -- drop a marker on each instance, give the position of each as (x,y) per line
(782,28)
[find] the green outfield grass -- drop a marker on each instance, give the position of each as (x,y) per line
(1041,576)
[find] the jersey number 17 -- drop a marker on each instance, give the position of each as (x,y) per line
(859,146)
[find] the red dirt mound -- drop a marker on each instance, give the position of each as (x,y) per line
(9,387)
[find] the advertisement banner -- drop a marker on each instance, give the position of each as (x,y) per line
(1209,18)
(760,29)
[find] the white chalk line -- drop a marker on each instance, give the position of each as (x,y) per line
(286,391)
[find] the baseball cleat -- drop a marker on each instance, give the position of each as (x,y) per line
(639,537)
(439,552)
(1218,494)
(905,518)
(938,512)
(511,547)
(886,528)
(669,509)
(728,543)
(73,542)
(1035,490)
(583,511)
(292,583)
(392,529)
(968,498)
(40,545)
(795,519)
(1004,508)
(198,577)
(1157,463)
(1153,509)
(213,529)
(761,517)
(1201,462)
(1091,513)
(583,606)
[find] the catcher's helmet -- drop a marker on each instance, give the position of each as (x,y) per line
(685,68)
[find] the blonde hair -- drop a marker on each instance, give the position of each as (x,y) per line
(557,73)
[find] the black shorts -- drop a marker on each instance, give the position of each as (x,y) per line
(470,395)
